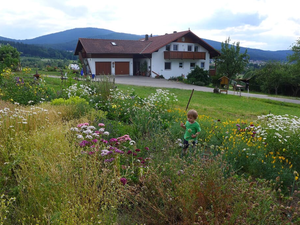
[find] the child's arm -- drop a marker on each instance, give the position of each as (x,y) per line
(195,135)
(182,125)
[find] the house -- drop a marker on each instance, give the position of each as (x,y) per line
(170,55)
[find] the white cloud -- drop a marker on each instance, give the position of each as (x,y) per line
(265,24)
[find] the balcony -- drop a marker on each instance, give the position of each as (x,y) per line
(183,55)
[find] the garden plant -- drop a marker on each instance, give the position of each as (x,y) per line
(97,154)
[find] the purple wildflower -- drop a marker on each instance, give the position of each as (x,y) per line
(83,143)
(123,180)
(137,150)
(109,160)
(119,151)
(113,140)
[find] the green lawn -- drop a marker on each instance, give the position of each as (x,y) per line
(221,106)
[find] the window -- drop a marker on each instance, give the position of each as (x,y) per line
(192,65)
(196,49)
(168,47)
(175,47)
(190,47)
(202,64)
(113,43)
(167,65)
(180,65)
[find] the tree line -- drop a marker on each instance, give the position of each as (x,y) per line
(40,51)
(273,77)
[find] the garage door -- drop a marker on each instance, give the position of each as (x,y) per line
(103,68)
(122,68)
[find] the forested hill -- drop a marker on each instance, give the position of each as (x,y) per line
(67,40)
(40,51)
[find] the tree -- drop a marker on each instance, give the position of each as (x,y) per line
(294,75)
(231,62)
(293,78)
(9,57)
(272,76)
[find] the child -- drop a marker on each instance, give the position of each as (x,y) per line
(192,129)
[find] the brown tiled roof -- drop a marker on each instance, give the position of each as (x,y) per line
(158,42)
(94,46)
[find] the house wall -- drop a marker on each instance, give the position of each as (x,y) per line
(92,63)
(158,61)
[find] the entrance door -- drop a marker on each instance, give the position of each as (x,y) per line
(122,68)
(103,68)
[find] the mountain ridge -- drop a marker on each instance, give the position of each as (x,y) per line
(67,40)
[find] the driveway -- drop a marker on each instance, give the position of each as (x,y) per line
(162,83)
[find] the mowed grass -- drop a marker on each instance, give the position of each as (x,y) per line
(222,106)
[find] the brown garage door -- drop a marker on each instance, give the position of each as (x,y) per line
(122,68)
(103,68)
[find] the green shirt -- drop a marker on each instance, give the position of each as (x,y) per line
(190,129)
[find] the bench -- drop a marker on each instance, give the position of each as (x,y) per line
(225,89)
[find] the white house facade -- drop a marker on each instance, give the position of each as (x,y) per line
(169,55)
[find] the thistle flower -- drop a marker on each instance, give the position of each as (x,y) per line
(123,180)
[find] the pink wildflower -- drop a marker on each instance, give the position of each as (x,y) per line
(101,124)
(82,124)
(123,180)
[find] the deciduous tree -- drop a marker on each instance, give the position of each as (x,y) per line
(9,57)
(272,75)
(231,62)
(294,75)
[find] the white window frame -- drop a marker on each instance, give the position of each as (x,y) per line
(190,46)
(175,47)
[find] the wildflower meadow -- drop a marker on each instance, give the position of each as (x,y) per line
(92,153)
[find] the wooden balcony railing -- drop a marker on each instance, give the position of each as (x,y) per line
(183,55)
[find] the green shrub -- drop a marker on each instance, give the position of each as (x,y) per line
(77,107)
(197,75)
(25,91)
(199,83)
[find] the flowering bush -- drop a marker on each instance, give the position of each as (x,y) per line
(80,90)
(267,148)
(24,91)
(119,154)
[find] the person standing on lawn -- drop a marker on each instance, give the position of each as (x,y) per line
(192,129)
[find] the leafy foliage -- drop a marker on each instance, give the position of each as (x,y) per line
(40,51)
(9,57)
(25,91)
(199,76)
(231,62)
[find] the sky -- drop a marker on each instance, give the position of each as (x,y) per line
(261,24)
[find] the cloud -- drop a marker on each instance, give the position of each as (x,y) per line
(267,24)
(222,19)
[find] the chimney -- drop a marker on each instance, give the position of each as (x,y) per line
(146,37)
(174,32)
